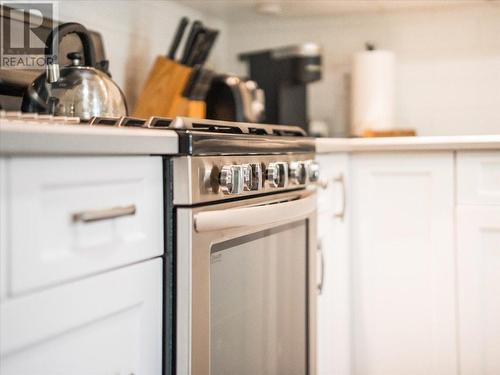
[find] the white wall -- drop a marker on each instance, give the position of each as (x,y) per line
(448,59)
(135,32)
(448,76)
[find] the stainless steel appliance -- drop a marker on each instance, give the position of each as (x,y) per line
(15,81)
(76,90)
(283,73)
(245,252)
(233,98)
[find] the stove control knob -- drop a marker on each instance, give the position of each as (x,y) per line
(277,174)
(298,173)
(252,177)
(313,170)
(231,179)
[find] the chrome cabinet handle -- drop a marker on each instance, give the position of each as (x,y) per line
(323,183)
(105,214)
(322,267)
(340,180)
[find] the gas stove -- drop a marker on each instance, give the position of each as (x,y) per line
(212,137)
(221,160)
(241,211)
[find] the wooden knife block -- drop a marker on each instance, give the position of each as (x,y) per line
(162,93)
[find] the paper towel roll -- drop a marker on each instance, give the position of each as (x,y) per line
(372,104)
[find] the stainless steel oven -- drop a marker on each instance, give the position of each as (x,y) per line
(245,254)
(246,286)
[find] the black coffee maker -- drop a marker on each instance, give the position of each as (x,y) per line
(283,74)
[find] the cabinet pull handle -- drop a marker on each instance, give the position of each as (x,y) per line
(322,267)
(324,183)
(105,214)
(340,180)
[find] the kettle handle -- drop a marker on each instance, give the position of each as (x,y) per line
(57,34)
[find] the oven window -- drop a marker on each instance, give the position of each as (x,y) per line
(258,303)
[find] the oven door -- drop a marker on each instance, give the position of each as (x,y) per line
(246,287)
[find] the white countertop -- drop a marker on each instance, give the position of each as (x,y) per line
(433,143)
(54,139)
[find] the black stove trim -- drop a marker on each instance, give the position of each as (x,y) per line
(205,143)
(169,270)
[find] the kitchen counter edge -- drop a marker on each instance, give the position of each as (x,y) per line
(429,143)
(53,139)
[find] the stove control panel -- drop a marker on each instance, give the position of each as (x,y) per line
(298,172)
(234,179)
(313,171)
(277,174)
(252,180)
(231,179)
(238,178)
(219,177)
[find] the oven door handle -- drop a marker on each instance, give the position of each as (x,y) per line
(266,214)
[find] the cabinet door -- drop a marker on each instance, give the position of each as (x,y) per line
(403,264)
(478,245)
(478,177)
(106,324)
(334,322)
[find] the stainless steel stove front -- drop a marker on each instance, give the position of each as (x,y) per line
(202,179)
(246,286)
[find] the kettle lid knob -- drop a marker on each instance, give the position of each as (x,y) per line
(75,57)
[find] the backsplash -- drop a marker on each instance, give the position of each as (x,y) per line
(448,75)
(136,33)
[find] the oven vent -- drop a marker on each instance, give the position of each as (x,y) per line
(217,126)
(257,131)
(107,121)
(132,121)
(159,122)
(287,132)
(212,126)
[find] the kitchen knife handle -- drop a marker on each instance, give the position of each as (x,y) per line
(196,25)
(178,37)
(207,47)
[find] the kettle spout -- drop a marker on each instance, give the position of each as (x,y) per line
(53,73)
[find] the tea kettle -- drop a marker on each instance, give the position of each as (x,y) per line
(78,90)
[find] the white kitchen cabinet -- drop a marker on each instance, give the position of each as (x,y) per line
(478,177)
(70,217)
(478,246)
(106,324)
(403,262)
(334,313)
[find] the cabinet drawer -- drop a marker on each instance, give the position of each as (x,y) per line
(106,324)
(54,203)
(478,177)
